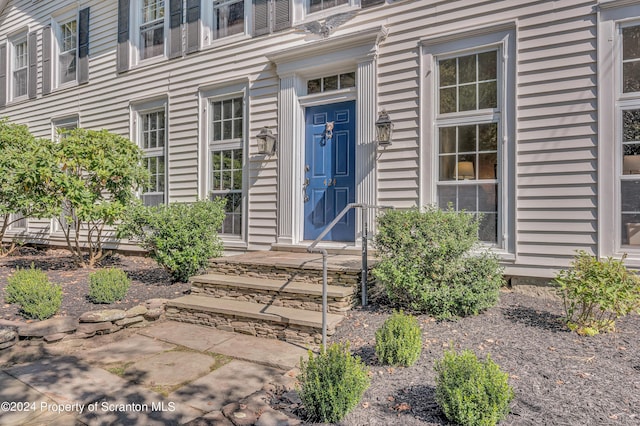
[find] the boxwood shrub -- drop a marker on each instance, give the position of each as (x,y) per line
(31,289)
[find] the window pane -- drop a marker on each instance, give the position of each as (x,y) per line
(467,69)
(466,167)
(631,77)
(447,70)
(446,196)
(467,138)
(631,43)
(487,197)
(488,228)
(447,140)
(331,83)
(227,109)
(226,130)
(228,18)
(488,134)
(488,66)
(631,125)
(467,198)
(488,95)
(467,97)
(448,100)
(630,214)
(314,86)
(487,166)
(447,167)
(347,80)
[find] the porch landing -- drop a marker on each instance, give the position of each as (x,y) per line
(273,294)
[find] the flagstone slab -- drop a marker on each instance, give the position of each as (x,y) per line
(128,350)
(48,327)
(170,368)
(191,336)
(272,352)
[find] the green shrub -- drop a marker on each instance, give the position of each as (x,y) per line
(180,237)
(332,383)
(597,292)
(31,289)
(108,285)
(399,340)
(427,263)
(472,392)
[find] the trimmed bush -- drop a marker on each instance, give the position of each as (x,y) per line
(180,237)
(332,383)
(427,263)
(31,289)
(472,392)
(597,292)
(108,285)
(399,340)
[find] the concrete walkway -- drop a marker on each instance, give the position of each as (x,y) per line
(164,374)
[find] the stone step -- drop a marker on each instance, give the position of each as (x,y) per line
(257,319)
(297,295)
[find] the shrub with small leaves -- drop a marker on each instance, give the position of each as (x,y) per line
(108,285)
(472,392)
(31,289)
(597,292)
(399,340)
(332,383)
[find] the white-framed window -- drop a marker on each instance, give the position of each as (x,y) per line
(226,159)
(19,223)
(151,136)
(469,154)
(66,54)
(150,28)
(19,66)
(320,5)
(228,17)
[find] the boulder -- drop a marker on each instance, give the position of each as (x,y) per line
(154,314)
(103,316)
(48,326)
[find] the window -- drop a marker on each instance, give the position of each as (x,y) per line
(226,160)
(629,143)
(332,82)
(153,141)
(60,126)
(468,129)
(228,18)
(67,43)
(151,25)
(318,5)
(19,66)
(18,222)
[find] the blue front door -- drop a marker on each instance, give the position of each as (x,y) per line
(329,170)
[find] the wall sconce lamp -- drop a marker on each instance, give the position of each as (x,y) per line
(266,141)
(384,127)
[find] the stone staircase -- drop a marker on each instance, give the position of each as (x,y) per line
(271,294)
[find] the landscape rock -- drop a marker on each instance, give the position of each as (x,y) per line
(10,324)
(154,314)
(155,303)
(48,326)
(103,316)
(271,417)
(240,414)
(93,327)
(128,321)
(136,311)
(56,337)
(7,345)
(7,335)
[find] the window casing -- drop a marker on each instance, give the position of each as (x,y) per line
(226,160)
(468,128)
(152,139)
(19,67)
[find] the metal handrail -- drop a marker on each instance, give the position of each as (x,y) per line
(365,268)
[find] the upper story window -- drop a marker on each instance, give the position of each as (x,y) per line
(319,5)
(19,66)
(67,56)
(228,18)
(151,28)
(631,59)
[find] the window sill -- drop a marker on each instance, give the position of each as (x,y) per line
(64,87)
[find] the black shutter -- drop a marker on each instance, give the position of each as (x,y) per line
(123,36)
(32,76)
(282,14)
(46,60)
(368,3)
(175,28)
(193,26)
(3,75)
(83,46)
(261,17)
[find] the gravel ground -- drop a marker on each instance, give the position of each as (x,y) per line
(148,280)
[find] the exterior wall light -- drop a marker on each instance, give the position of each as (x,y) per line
(384,127)
(266,141)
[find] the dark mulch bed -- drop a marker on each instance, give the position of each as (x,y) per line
(148,280)
(559,377)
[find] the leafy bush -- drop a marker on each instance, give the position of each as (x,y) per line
(31,289)
(597,292)
(332,383)
(180,237)
(427,263)
(472,392)
(399,340)
(108,285)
